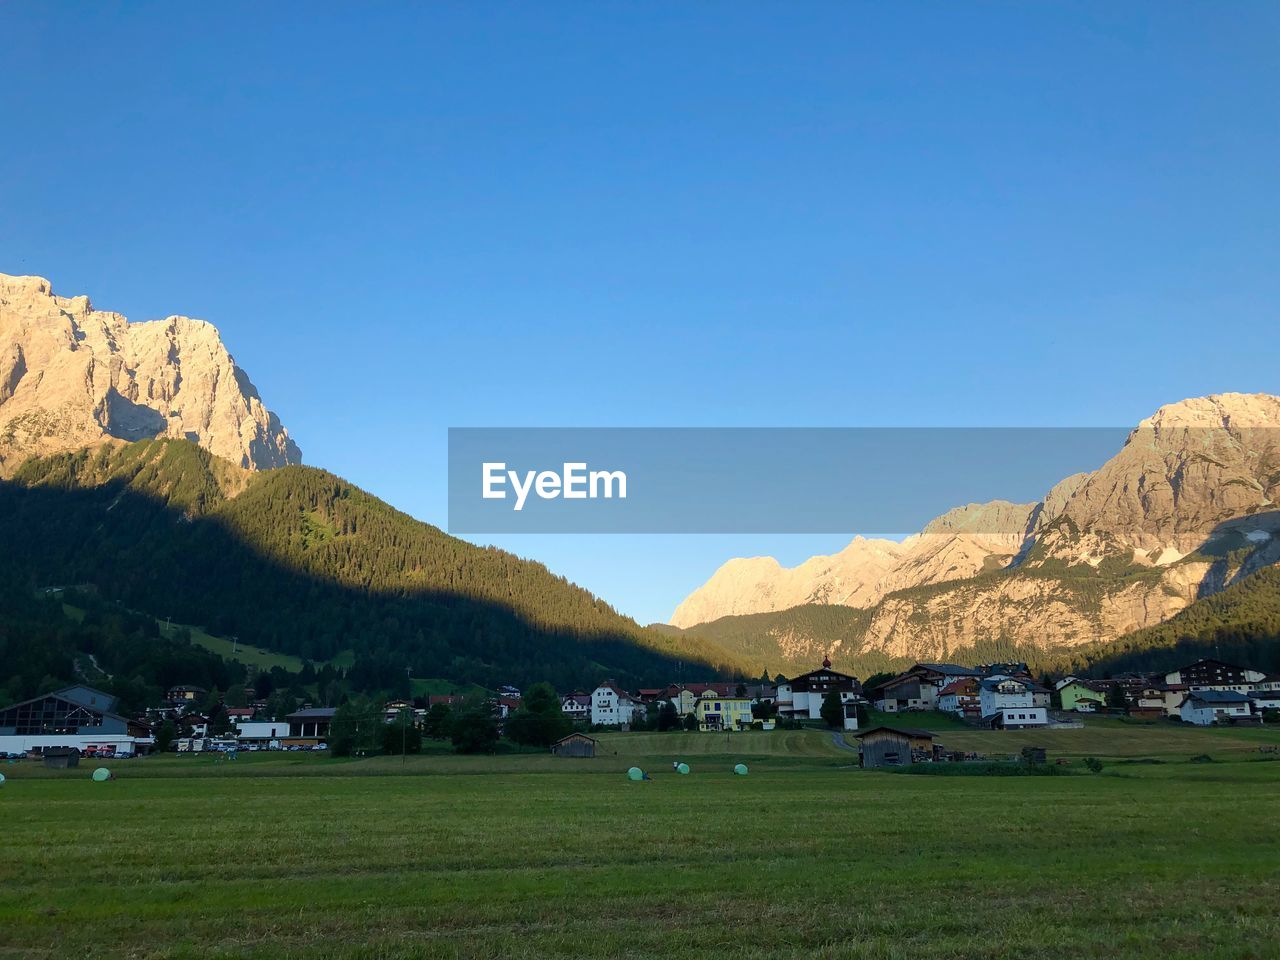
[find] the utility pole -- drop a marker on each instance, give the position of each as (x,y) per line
(404,734)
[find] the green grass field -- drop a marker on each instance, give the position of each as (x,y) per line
(244,653)
(528,855)
(428,687)
(1103,737)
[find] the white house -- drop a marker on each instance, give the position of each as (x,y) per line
(801,697)
(576,706)
(1204,707)
(1265,700)
(613,706)
(261,731)
(960,697)
(1009,703)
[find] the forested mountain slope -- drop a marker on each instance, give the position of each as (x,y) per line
(300,561)
(1241,624)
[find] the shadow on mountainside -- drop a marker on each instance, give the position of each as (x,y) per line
(303,563)
(1238,548)
(1236,614)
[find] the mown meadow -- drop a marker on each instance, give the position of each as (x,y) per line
(528,855)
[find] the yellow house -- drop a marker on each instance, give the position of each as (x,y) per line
(720,712)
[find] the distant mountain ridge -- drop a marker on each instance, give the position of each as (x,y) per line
(71,376)
(1184,509)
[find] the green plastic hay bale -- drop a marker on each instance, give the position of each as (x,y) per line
(740,769)
(683,768)
(635,773)
(101,775)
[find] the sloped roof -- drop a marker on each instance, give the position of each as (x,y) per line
(89,697)
(313,713)
(80,695)
(1218,696)
(716,695)
(993,683)
(951,669)
(612,685)
(904,731)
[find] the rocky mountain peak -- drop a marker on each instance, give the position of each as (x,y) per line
(72,376)
(1200,476)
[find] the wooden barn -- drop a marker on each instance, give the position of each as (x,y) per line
(60,758)
(574,745)
(895,746)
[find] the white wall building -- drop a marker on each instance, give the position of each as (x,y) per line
(576,706)
(77,717)
(1265,700)
(1010,704)
(801,697)
(261,731)
(1204,707)
(613,706)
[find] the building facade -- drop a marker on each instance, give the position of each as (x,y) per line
(716,712)
(919,687)
(611,706)
(1206,707)
(1207,674)
(895,746)
(76,717)
(800,698)
(1082,696)
(1008,703)
(262,732)
(961,698)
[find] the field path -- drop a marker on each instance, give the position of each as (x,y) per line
(838,739)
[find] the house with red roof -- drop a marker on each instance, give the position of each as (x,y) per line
(961,697)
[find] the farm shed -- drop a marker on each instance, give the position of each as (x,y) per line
(574,745)
(60,758)
(895,746)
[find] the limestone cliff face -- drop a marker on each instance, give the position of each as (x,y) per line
(762,585)
(1185,508)
(71,376)
(961,543)
(1180,476)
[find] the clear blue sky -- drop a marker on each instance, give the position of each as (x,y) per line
(405,217)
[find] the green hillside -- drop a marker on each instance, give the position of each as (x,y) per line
(46,643)
(790,641)
(299,562)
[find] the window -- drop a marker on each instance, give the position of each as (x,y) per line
(48,716)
